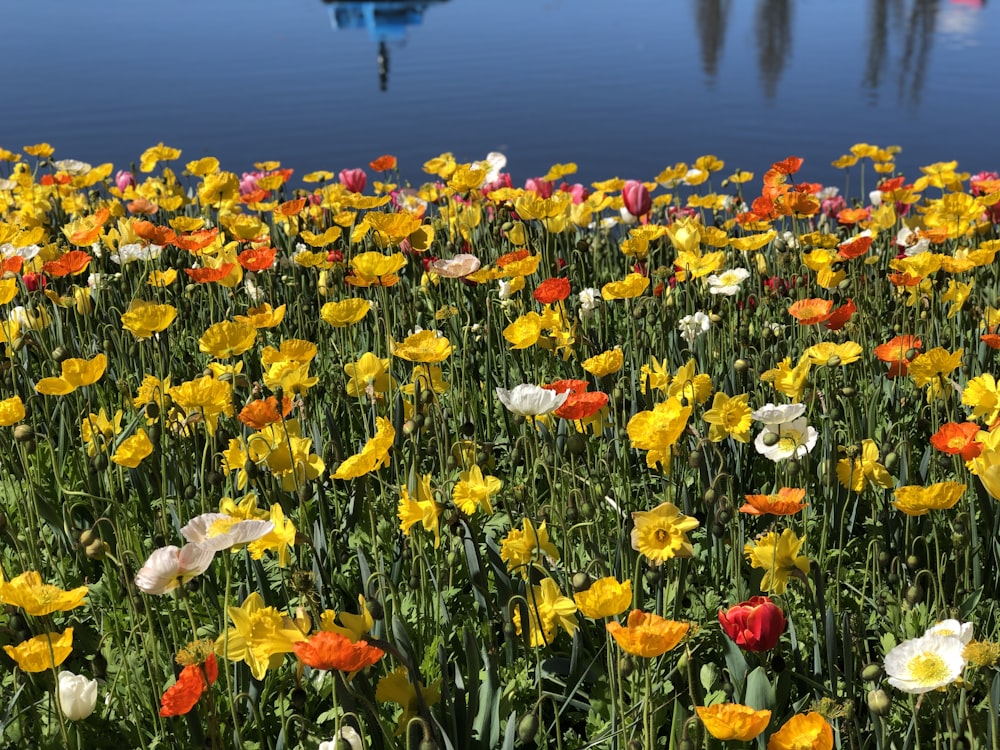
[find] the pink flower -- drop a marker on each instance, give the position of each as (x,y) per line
(833,206)
(578,191)
(636,198)
(354,179)
(542,188)
(248,182)
(124,179)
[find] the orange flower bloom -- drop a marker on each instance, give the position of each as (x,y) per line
(264,411)
(89,229)
(573,386)
(803,732)
(733,721)
(582,405)
(208,275)
(255,196)
(195,241)
(894,352)
(811,311)
(182,696)
(853,215)
(854,247)
(148,231)
(291,208)
(257,259)
(384,163)
(958,439)
(788,165)
(514,257)
(648,635)
(785,502)
(991,339)
(13,264)
(73,262)
(328,650)
(552,290)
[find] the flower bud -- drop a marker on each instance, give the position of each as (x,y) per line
(879,702)
(77,695)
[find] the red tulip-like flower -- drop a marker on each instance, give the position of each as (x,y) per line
(354,179)
(636,198)
(755,625)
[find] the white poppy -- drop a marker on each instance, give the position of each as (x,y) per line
(778,413)
(786,440)
(77,695)
(217,531)
(728,282)
(920,665)
(455,268)
(72,166)
(955,628)
(529,400)
(346,734)
(169,567)
(693,326)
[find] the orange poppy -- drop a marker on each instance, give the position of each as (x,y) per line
(260,413)
(329,650)
(992,340)
(257,259)
(903,279)
(142,206)
(291,208)
(840,316)
(893,183)
(384,163)
(811,311)
(148,231)
(789,165)
(90,229)
(894,352)
(808,187)
(853,215)
(762,209)
(937,235)
(73,262)
(784,502)
(854,247)
(571,385)
(195,241)
(514,257)
(958,439)
(12,264)
(208,275)
(552,290)
(59,179)
(647,635)
(182,696)
(255,196)
(799,204)
(582,405)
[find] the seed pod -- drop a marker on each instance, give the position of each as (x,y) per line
(581,582)
(527,728)
(915,594)
(23,433)
(872,672)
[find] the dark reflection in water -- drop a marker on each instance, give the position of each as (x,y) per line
(386,22)
(774,41)
(711,17)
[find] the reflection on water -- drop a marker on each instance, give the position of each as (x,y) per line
(386,22)
(910,24)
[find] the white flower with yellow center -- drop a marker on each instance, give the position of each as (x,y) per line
(728,282)
(217,531)
(920,665)
(786,440)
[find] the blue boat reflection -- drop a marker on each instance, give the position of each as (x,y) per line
(387,22)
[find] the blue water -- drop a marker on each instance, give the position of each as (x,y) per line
(623,88)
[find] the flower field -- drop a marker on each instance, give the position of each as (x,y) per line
(328,461)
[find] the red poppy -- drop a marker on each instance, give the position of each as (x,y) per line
(195,241)
(328,650)
(384,163)
(34,281)
(854,247)
(840,316)
(571,385)
(257,259)
(73,262)
(182,696)
(264,411)
(789,165)
(148,231)
(958,439)
(582,405)
(208,275)
(552,290)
